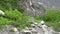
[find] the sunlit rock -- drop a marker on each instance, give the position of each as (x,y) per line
(42,22)
(1,12)
(26,27)
(36,23)
(32,25)
(15,29)
(44,27)
(26,32)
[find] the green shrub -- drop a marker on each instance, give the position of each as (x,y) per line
(14,16)
(52,17)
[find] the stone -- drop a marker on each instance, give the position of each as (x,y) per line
(42,22)
(44,29)
(15,29)
(2,13)
(32,7)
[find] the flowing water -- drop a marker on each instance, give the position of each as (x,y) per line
(32,7)
(35,7)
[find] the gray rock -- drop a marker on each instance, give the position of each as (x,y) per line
(33,29)
(6,30)
(31,7)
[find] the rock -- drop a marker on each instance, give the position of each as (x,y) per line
(41,23)
(2,13)
(32,7)
(33,29)
(25,31)
(14,29)
(9,29)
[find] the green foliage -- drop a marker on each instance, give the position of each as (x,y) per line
(13,13)
(4,22)
(14,16)
(6,4)
(52,17)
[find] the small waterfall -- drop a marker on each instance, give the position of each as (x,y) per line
(30,3)
(36,8)
(32,7)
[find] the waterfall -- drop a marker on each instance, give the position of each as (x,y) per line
(32,7)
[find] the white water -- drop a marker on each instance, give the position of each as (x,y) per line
(33,8)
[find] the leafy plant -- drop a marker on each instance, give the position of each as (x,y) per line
(52,17)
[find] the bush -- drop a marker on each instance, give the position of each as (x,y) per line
(14,16)
(52,17)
